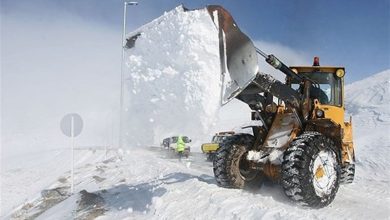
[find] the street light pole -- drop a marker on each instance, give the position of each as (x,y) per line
(125,4)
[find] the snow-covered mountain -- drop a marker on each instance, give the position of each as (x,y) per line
(370,92)
(370,97)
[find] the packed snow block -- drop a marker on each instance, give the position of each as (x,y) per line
(172,78)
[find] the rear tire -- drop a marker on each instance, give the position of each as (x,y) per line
(311,170)
(231,168)
(347,173)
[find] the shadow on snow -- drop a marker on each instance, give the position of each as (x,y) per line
(139,197)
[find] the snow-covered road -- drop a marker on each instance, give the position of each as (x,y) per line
(148,184)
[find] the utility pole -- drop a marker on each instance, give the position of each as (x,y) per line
(125,4)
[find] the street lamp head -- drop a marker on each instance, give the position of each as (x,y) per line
(131,3)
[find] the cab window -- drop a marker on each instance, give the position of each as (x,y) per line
(327,89)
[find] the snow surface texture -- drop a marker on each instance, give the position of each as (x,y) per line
(173,84)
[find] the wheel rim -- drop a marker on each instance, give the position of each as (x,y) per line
(324,172)
(244,167)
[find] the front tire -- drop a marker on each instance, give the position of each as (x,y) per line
(231,168)
(311,171)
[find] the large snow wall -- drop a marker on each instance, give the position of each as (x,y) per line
(172,79)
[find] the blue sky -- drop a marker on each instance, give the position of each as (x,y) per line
(354,34)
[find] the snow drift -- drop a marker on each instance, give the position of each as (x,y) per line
(173,78)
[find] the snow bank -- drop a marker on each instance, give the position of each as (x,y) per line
(173,78)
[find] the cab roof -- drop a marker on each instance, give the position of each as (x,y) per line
(307,69)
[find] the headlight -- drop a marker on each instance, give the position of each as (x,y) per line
(320,113)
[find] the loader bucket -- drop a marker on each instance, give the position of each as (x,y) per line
(238,58)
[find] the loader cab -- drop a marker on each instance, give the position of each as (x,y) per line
(327,89)
(326,86)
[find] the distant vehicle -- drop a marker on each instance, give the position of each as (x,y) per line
(169,143)
(210,148)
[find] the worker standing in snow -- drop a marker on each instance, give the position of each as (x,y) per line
(180,146)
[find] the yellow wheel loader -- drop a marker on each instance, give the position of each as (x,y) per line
(303,142)
(299,136)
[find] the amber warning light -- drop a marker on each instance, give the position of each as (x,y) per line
(316,61)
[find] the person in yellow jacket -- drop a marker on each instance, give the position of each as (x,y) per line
(180,146)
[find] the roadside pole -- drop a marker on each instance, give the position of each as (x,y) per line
(125,4)
(71,126)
